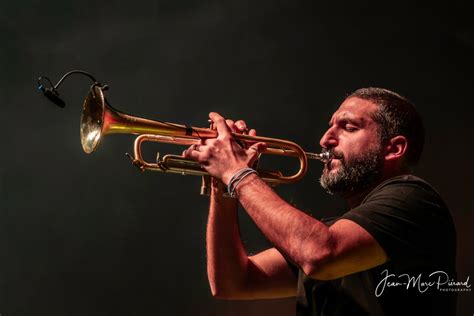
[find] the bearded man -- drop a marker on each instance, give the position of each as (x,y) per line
(378,258)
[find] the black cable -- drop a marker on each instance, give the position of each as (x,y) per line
(52,93)
(75,72)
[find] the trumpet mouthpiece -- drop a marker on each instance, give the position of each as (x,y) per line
(323,157)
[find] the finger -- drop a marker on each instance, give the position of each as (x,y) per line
(242,126)
(253,132)
(257,148)
(254,152)
(187,151)
(194,147)
(231,125)
(198,144)
(195,155)
(222,128)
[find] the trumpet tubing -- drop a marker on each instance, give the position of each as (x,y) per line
(100,119)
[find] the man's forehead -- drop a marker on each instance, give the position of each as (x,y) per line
(355,109)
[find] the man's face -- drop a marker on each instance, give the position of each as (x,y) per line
(358,154)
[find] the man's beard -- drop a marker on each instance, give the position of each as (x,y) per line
(354,175)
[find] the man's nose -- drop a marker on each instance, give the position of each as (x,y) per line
(329,139)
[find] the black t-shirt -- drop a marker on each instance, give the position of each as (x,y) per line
(412,224)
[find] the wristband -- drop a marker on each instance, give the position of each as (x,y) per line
(236,179)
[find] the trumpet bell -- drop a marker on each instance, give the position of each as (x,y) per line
(92,118)
(100,119)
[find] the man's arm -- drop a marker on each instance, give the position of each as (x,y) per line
(321,252)
(234,275)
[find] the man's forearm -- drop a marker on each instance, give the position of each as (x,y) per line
(303,239)
(226,256)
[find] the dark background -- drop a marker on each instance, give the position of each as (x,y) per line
(90,235)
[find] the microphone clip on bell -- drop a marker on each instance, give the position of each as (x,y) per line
(52,92)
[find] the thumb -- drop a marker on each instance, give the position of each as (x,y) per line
(254,151)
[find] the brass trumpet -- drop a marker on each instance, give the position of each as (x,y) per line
(99,119)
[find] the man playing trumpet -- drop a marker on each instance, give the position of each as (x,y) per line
(397,227)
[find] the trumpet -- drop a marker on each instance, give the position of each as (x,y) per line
(99,119)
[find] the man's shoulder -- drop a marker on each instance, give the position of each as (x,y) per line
(406,215)
(406,185)
(405,179)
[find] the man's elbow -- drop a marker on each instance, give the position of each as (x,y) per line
(219,294)
(224,292)
(218,291)
(227,295)
(316,267)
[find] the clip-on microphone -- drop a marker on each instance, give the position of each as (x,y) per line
(52,93)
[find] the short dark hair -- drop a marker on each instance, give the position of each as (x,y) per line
(396,115)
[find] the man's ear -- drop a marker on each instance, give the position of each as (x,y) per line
(396,148)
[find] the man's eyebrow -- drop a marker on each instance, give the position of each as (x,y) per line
(347,117)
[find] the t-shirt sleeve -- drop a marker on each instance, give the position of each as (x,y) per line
(407,219)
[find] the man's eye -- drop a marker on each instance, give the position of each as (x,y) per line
(350,128)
